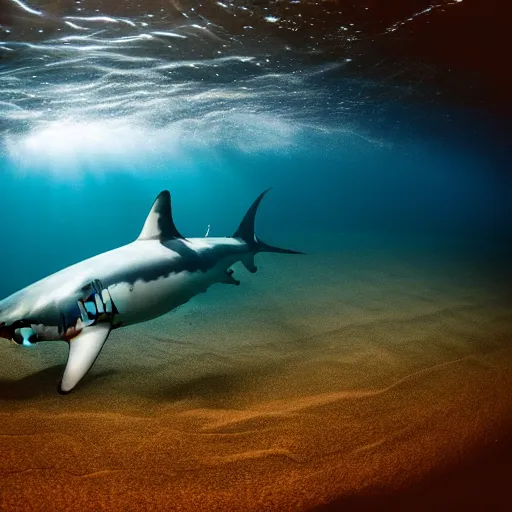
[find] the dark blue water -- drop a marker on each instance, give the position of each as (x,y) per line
(59,209)
(102,107)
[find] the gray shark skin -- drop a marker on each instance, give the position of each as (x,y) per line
(147,278)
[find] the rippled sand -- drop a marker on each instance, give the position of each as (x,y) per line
(353,379)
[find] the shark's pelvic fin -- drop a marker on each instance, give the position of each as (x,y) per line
(229,279)
(83,351)
(159,224)
(248,263)
(246,233)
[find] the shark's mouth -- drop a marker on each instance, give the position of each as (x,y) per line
(6,332)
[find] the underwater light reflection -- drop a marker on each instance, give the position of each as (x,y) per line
(73,148)
(65,144)
(28,9)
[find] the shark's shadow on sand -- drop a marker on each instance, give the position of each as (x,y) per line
(40,384)
(212,388)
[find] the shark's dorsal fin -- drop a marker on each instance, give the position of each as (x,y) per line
(159,224)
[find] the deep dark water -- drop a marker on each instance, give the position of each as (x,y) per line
(478,482)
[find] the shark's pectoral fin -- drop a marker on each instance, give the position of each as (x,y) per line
(83,351)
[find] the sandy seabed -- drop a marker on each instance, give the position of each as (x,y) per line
(351,380)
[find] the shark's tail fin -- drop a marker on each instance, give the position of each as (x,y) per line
(246,232)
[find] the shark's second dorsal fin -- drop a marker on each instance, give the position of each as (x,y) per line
(159,224)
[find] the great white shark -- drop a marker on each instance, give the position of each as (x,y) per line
(147,278)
